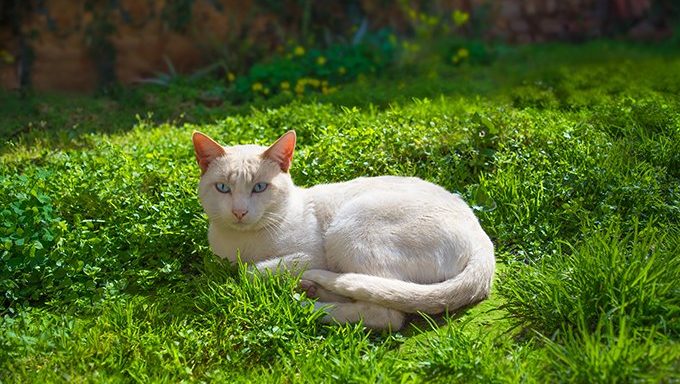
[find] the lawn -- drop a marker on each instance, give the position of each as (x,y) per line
(570,156)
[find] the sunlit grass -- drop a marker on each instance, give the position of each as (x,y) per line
(571,166)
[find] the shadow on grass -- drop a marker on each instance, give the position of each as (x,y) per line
(60,121)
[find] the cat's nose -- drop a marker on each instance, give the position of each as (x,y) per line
(239,213)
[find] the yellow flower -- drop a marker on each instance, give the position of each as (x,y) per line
(460,55)
(342,70)
(257,87)
(299,50)
(285,85)
(321,60)
(7,57)
(463,53)
(231,77)
(300,87)
(412,14)
(460,18)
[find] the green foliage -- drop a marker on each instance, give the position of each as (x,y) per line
(82,234)
(30,229)
(611,355)
(456,354)
(572,169)
(316,70)
(612,277)
(191,330)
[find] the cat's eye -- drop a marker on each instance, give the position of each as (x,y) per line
(260,187)
(221,187)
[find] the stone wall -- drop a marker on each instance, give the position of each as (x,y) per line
(548,20)
(78,45)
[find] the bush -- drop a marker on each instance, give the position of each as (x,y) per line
(315,70)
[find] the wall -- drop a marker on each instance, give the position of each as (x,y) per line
(79,45)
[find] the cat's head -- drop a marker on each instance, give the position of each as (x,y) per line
(244,187)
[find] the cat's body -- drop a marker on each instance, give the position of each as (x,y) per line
(371,248)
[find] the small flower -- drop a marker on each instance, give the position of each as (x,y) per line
(231,77)
(285,85)
(300,87)
(412,14)
(299,50)
(460,18)
(463,53)
(321,60)
(257,87)
(6,57)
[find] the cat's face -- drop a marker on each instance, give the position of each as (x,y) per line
(244,187)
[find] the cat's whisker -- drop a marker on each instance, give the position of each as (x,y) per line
(273,228)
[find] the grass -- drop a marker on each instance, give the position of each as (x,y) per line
(569,154)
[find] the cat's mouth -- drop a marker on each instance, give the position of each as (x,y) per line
(243,225)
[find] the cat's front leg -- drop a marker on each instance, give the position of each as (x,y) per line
(297,263)
(293,263)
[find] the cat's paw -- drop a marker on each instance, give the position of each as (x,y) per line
(309,288)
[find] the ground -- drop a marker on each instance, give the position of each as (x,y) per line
(570,156)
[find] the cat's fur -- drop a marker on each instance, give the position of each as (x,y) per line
(371,248)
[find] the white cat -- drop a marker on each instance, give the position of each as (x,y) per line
(371,248)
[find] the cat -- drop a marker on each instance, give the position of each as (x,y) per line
(371,249)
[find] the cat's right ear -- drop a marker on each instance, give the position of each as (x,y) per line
(206,150)
(281,151)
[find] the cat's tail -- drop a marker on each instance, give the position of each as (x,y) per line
(468,287)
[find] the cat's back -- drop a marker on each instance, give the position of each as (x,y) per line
(410,188)
(412,225)
(384,194)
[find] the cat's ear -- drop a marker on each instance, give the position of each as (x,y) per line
(281,152)
(206,150)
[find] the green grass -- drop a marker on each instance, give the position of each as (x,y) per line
(569,154)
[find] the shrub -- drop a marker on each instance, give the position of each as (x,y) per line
(315,70)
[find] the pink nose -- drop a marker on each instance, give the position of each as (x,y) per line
(239,213)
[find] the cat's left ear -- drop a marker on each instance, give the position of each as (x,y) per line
(281,152)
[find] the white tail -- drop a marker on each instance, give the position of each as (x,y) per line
(468,287)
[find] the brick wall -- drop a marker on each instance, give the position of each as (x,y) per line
(78,45)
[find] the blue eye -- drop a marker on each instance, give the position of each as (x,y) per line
(222,187)
(260,187)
